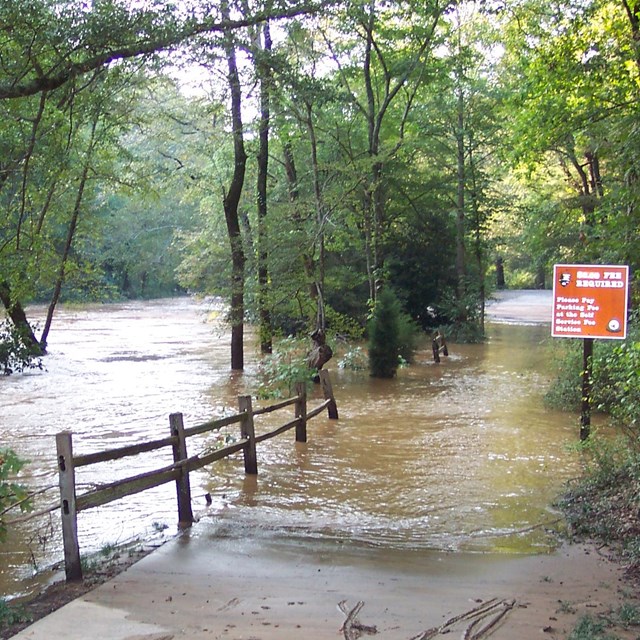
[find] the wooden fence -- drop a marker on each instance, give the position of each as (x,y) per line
(72,504)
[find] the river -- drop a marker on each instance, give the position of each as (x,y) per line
(460,455)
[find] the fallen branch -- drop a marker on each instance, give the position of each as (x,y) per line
(352,628)
(484,631)
(493,609)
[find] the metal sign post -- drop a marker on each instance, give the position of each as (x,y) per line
(589,301)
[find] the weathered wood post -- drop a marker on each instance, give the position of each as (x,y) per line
(443,344)
(183,485)
(438,344)
(67,480)
(301,412)
(435,348)
(247,430)
(327,390)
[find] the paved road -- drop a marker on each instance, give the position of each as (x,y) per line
(203,587)
(525,306)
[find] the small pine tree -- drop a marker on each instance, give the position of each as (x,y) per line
(384,336)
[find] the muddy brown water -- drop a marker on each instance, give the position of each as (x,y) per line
(456,456)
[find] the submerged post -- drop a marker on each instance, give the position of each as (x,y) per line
(438,345)
(183,486)
(247,430)
(435,348)
(301,412)
(327,390)
(67,481)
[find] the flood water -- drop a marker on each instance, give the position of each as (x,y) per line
(456,456)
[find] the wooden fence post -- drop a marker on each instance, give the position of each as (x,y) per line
(301,412)
(327,390)
(67,480)
(183,486)
(438,344)
(247,430)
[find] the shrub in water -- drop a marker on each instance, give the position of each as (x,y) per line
(384,336)
(16,354)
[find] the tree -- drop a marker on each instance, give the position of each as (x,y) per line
(262,49)
(573,78)
(52,53)
(231,202)
(52,46)
(384,336)
(386,74)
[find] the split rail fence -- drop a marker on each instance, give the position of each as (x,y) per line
(71,504)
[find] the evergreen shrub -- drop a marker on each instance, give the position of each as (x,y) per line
(392,335)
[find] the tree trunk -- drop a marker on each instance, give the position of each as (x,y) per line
(264,73)
(460,200)
(478,220)
(73,223)
(294,194)
(318,274)
(19,318)
(633,13)
(231,203)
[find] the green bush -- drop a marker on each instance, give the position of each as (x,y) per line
(10,614)
(590,628)
(618,385)
(393,336)
(353,359)
(284,368)
(408,336)
(16,354)
(604,503)
(615,377)
(12,494)
(384,336)
(463,315)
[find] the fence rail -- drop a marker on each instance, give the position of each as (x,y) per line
(72,504)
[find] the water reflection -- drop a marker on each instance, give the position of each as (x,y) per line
(460,455)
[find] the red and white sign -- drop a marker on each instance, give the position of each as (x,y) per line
(590,301)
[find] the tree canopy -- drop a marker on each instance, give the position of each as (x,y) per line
(298,158)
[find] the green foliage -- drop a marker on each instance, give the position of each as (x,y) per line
(282,370)
(16,352)
(384,336)
(615,377)
(566,389)
(353,359)
(464,314)
(604,503)
(521,279)
(11,614)
(627,615)
(342,325)
(408,337)
(12,494)
(618,381)
(590,628)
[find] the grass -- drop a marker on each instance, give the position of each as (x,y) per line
(590,628)
(10,614)
(628,615)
